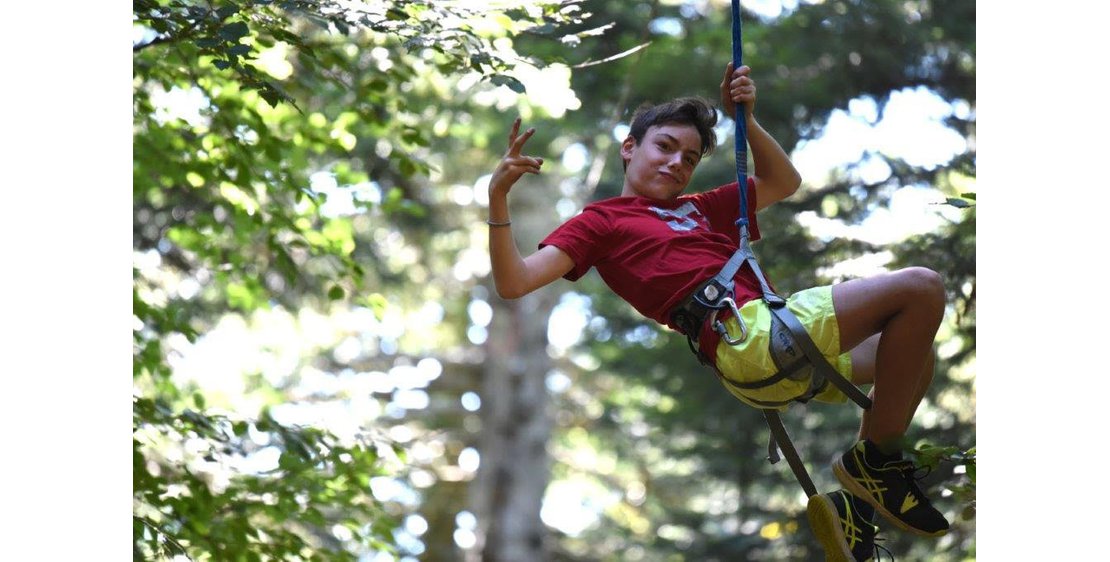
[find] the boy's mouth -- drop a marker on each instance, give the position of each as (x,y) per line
(669,176)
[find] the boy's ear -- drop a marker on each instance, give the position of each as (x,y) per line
(627,145)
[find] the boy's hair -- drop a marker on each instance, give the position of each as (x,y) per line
(695,111)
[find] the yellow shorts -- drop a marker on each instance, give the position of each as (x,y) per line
(750,360)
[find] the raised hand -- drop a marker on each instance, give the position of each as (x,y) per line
(514,164)
(737,87)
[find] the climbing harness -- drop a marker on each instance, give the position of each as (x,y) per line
(792,349)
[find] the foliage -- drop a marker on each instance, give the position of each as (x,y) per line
(236,104)
(929,457)
(184,508)
(961,202)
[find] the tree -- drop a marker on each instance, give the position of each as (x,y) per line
(227,219)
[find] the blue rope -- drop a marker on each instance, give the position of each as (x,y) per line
(741,127)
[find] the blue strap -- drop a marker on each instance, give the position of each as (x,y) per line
(741,127)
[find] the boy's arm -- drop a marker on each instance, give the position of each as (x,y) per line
(513,275)
(775,176)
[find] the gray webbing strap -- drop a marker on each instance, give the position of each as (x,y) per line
(830,374)
(769,296)
(724,278)
(801,336)
(742,254)
(779,436)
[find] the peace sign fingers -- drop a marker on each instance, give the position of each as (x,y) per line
(516,143)
(514,164)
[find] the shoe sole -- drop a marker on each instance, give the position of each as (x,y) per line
(826,527)
(860,492)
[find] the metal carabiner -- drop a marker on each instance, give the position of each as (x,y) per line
(723,331)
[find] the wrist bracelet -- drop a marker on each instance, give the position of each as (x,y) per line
(506,223)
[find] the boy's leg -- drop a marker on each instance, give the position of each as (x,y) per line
(863,372)
(904,308)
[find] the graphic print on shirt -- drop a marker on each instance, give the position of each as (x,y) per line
(681,219)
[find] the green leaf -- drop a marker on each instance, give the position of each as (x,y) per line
(159,25)
(221,64)
(240,428)
(239,49)
(271,96)
(289,461)
(240,296)
(377,303)
(226,11)
(406,167)
(233,31)
(413,136)
(284,261)
(198,400)
(335,293)
(968,196)
(506,80)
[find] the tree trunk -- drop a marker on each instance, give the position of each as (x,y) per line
(516,423)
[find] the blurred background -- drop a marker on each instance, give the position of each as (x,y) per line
(321,368)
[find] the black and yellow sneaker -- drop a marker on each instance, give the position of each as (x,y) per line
(843,526)
(889,485)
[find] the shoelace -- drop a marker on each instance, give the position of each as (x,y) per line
(879,547)
(910,471)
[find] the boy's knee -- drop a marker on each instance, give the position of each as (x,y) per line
(926,282)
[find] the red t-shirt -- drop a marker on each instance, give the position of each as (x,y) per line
(654,253)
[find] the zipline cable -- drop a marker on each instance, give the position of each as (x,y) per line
(741,126)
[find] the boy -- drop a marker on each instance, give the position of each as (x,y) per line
(654,247)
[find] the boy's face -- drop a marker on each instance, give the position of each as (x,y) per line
(660,166)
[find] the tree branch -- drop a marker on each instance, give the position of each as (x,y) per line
(188,32)
(155,41)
